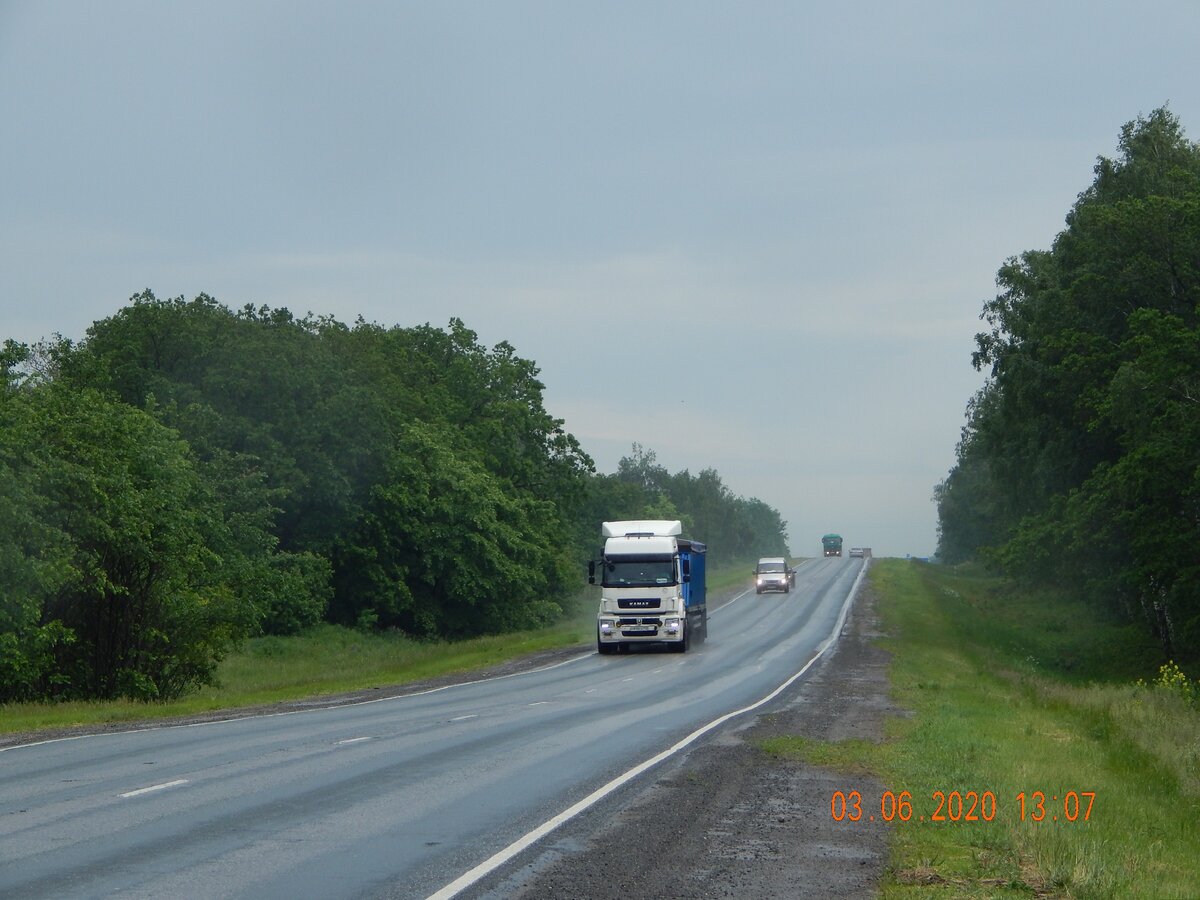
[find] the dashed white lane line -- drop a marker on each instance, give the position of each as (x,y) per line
(464,718)
(155,787)
(297,712)
(357,740)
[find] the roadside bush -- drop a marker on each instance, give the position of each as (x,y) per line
(109,586)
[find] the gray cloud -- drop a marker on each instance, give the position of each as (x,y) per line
(697,218)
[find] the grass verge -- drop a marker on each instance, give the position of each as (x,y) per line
(990,715)
(328,659)
(332,660)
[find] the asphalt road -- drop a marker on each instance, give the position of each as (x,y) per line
(398,797)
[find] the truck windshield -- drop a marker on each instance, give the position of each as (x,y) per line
(634,572)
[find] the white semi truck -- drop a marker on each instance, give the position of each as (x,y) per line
(651,586)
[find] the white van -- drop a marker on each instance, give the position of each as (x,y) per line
(773,574)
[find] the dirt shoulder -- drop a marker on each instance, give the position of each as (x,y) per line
(729,819)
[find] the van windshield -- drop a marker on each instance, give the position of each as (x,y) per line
(771,567)
(621,571)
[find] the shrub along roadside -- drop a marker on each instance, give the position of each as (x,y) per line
(988,718)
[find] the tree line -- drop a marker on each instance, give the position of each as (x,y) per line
(188,475)
(1079,464)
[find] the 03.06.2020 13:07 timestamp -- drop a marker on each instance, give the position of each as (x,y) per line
(964,807)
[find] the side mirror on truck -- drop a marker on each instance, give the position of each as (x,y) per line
(591,571)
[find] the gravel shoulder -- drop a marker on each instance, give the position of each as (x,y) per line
(729,819)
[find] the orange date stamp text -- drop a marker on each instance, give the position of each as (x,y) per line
(962,807)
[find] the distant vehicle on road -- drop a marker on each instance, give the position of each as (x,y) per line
(832,544)
(773,574)
(856,551)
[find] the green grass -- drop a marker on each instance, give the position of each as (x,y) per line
(332,660)
(326,660)
(999,699)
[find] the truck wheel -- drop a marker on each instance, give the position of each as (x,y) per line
(602,648)
(682,646)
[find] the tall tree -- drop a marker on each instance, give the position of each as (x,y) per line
(1083,449)
(124,594)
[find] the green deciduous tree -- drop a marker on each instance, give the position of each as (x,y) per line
(444,550)
(1079,463)
(300,427)
(117,590)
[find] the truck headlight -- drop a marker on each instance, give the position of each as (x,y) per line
(672,626)
(606,628)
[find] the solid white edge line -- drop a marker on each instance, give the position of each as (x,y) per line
(498,859)
(155,787)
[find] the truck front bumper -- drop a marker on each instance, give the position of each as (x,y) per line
(641,629)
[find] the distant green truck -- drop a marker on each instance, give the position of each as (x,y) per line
(832,543)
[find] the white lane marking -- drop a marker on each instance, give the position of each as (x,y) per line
(155,787)
(494,862)
(538,703)
(298,712)
(356,740)
(464,718)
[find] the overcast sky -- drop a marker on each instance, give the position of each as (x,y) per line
(750,236)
